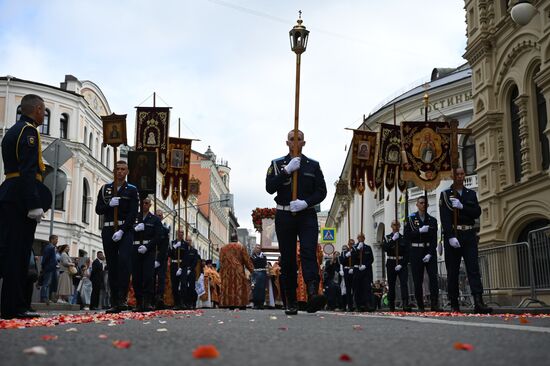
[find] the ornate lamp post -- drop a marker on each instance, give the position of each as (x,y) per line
(298,43)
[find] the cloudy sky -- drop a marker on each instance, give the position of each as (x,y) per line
(226,68)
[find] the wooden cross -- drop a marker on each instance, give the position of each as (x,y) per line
(454,131)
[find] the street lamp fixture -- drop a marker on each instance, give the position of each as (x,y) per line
(298,36)
(298,43)
(523,12)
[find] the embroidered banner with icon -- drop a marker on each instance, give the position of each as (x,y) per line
(363,158)
(388,162)
(152,125)
(426,153)
(176,178)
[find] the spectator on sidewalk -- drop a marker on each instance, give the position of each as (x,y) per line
(65,286)
(49,269)
(96,277)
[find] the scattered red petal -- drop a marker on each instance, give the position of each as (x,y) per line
(357,327)
(344,357)
(207,351)
(463,346)
(283,328)
(122,344)
(49,337)
(523,320)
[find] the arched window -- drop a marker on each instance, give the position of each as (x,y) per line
(542,122)
(108,161)
(45,127)
(469,155)
(63,125)
(91,142)
(102,148)
(96,147)
(85,194)
(18,113)
(516,141)
(85,135)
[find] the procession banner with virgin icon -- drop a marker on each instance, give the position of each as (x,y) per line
(363,159)
(152,125)
(387,171)
(176,178)
(426,153)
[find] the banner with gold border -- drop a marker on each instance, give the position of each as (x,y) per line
(176,178)
(363,159)
(152,125)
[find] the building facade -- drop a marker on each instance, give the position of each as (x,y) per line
(511,93)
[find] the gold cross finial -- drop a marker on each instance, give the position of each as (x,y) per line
(426,86)
(299,14)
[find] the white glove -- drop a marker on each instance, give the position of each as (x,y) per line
(395,236)
(157,264)
(36,214)
(398,267)
(424,229)
(118,235)
(360,246)
(348,254)
(362,267)
(454,242)
(427,258)
(139,227)
(114,201)
(188,272)
(350,271)
(456,203)
(293,165)
(298,205)
(342,273)
(177,245)
(178,273)
(439,249)
(142,249)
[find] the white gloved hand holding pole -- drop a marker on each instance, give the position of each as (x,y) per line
(157,264)
(426,258)
(293,165)
(139,227)
(178,273)
(177,245)
(362,267)
(424,229)
(297,205)
(114,202)
(142,249)
(456,203)
(395,236)
(398,268)
(348,254)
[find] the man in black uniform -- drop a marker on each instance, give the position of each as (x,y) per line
(397,252)
(259,277)
(160,263)
(23,200)
(175,252)
(362,259)
(298,219)
(146,240)
(347,273)
(117,245)
(421,234)
(188,265)
(460,239)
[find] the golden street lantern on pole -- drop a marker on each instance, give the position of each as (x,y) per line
(298,43)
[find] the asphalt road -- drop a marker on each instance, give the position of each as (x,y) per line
(269,337)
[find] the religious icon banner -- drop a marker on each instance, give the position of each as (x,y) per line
(363,159)
(177,172)
(152,125)
(388,162)
(426,153)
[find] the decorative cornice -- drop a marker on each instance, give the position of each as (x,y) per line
(519,49)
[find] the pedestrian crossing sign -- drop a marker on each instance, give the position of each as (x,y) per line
(328,235)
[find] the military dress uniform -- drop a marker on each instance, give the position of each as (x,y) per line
(188,265)
(20,192)
(259,278)
(390,247)
(118,253)
(175,255)
(347,268)
(466,235)
(160,271)
(362,259)
(303,224)
(143,264)
(421,245)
